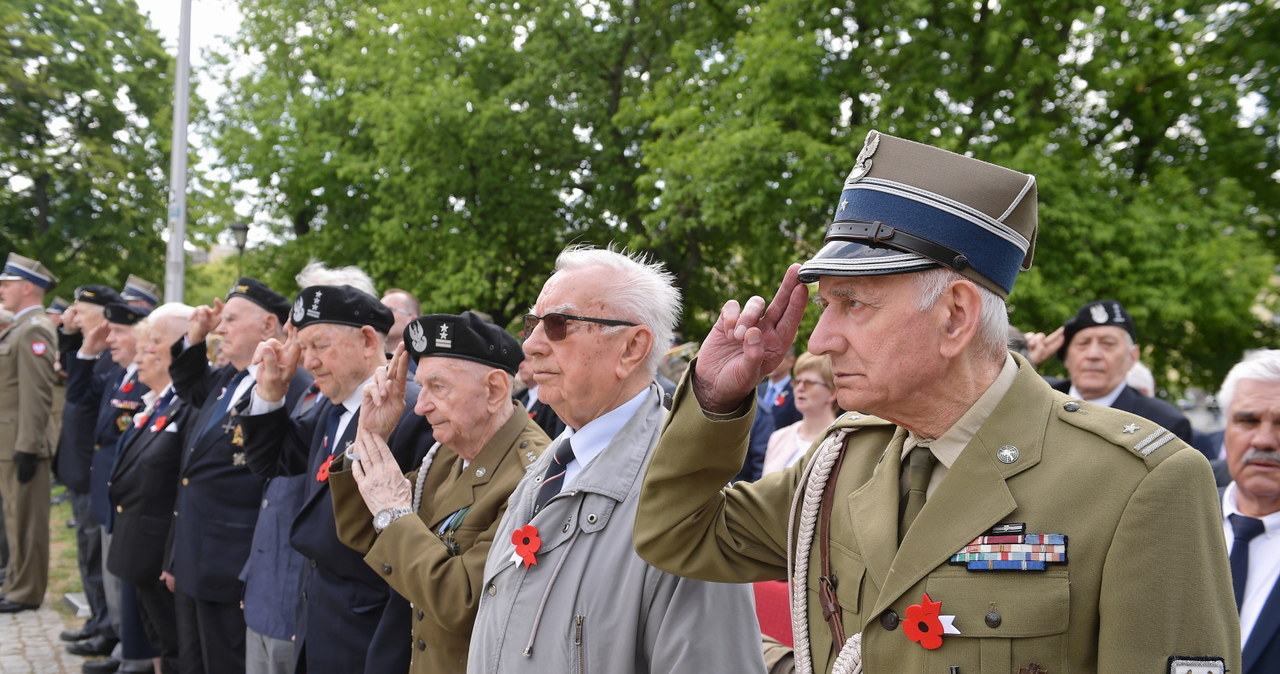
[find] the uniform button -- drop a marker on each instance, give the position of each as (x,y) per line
(97,447)
(524,444)
(493,589)
(422,645)
(119,509)
(386,569)
(421,614)
(186,481)
(889,620)
(1071,406)
(109,483)
(992,619)
(313,563)
(264,504)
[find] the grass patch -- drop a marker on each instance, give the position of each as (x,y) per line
(64,567)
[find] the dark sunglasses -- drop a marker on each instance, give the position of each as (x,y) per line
(556,325)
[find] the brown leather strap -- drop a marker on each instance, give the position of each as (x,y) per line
(827,582)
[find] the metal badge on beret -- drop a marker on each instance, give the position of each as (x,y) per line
(257,292)
(123,314)
(908,207)
(465,336)
(342,305)
(1093,314)
(19,268)
(98,294)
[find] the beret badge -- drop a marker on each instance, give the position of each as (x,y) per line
(298,310)
(863,164)
(416,337)
(1098,313)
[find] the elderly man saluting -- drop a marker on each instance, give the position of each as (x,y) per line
(1029,532)
(436,559)
(563,589)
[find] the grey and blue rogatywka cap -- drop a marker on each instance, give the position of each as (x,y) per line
(908,207)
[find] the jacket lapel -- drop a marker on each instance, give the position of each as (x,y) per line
(1264,630)
(873,509)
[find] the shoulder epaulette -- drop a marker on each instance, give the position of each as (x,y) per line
(1136,434)
(856,420)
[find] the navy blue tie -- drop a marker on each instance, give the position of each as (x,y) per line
(224,401)
(331,427)
(553,481)
(1246,529)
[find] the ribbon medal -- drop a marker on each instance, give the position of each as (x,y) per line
(924,624)
(527,543)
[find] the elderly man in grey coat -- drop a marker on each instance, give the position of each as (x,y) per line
(564,590)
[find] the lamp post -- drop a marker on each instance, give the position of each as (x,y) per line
(241,231)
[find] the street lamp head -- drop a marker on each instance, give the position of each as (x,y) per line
(241,231)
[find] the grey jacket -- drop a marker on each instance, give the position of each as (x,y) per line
(590,604)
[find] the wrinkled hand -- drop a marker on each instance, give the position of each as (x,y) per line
(276,363)
(204,320)
(383,400)
(168,579)
(26,463)
(71,320)
(95,340)
(746,344)
(1041,347)
(377,474)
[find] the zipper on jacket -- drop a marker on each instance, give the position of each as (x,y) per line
(577,641)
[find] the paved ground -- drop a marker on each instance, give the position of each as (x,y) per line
(29,643)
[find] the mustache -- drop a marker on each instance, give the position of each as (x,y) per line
(1268,456)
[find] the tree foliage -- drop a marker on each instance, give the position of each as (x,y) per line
(452,148)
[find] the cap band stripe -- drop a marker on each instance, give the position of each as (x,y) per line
(42,281)
(989,250)
(952,206)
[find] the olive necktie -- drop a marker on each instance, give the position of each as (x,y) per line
(919,470)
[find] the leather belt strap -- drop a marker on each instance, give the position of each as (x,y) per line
(880,233)
(831,611)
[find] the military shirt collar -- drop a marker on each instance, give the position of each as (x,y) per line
(948,447)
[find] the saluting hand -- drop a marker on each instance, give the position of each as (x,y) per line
(377,474)
(95,340)
(71,320)
(746,344)
(382,402)
(1041,346)
(204,320)
(276,363)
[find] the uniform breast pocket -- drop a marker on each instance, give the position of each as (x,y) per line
(849,571)
(1007,620)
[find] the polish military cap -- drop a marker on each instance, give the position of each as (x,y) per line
(908,207)
(138,288)
(19,268)
(57,306)
(97,294)
(465,336)
(124,314)
(1094,314)
(342,305)
(257,292)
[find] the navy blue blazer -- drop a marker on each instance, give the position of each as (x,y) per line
(119,402)
(342,625)
(770,416)
(86,380)
(218,496)
(1261,648)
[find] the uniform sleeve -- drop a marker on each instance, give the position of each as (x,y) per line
(36,352)
(1166,587)
(191,372)
(697,627)
(446,587)
(688,523)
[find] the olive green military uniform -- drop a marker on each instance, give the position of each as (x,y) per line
(27,351)
(436,560)
(1145,576)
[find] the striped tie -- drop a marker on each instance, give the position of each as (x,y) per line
(554,479)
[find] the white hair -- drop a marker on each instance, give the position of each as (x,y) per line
(1140,377)
(316,274)
(993,321)
(643,291)
(174,309)
(1262,365)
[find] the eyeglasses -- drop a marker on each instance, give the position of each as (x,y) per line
(797,383)
(556,324)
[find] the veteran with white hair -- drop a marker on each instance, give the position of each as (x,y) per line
(563,590)
(981,522)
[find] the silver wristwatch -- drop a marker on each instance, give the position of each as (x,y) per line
(386,516)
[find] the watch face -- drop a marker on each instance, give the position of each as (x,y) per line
(382,520)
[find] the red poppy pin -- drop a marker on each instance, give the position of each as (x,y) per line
(159,424)
(141,420)
(128,386)
(322,475)
(924,624)
(527,543)
(780,400)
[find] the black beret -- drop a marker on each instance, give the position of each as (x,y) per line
(123,314)
(342,305)
(96,294)
(1094,314)
(465,336)
(257,292)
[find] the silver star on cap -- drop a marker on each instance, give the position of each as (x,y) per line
(1007,454)
(844,203)
(1131,429)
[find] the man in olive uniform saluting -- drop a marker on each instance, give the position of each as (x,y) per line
(1030,532)
(27,349)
